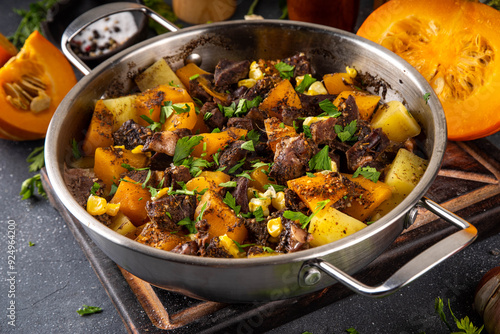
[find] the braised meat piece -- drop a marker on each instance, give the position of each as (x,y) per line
(240,193)
(257,117)
(240,122)
(350,111)
(187,248)
(293,238)
(162,142)
(202,236)
(146,177)
(291,158)
(301,63)
(229,72)
(131,134)
(311,103)
(175,174)
(160,161)
(294,203)
(212,116)
(291,115)
(168,210)
(215,249)
(80,182)
(197,91)
(367,150)
(232,155)
(323,132)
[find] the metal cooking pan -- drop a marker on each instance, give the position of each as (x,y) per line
(276,277)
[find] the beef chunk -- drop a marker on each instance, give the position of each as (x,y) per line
(323,132)
(257,117)
(350,111)
(216,119)
(232,154)
(367,150)
(262,87)
(176,174)
(293,238)
(80,182)
(291,159)
(168,210)
(301,63)
(310,103)
(240,122)
(215,249)
(160,161)
(131,134)
(162,142)
(294,203)
(151,178)
(228,72)
(240,193)
(197,91)
(187,248)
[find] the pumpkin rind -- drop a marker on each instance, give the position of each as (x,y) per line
(455,46)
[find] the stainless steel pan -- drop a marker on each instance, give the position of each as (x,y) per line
(277,277)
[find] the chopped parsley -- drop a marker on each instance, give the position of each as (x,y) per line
(130,168)
(346,133)
(29,186)
(321,161)
(240,109)
(31,244)
(231,202)
(185,146)
(86,310)
(74,149)
(36,159)
(228,184)
(305,83)
(302,218)
(427,96)
(154,126)
(248,145)
(253,136)
(240,247)
(369,173)
(329,109)
(95,187)
(307,131)
(277,187)
(463,324)
(194,76)
(189,224)
(285,70)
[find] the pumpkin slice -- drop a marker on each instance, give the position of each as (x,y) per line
(7,50)
(32,84)
(455,45)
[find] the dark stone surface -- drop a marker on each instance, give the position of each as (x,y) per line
(53,278)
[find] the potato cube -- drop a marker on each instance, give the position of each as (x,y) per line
(329,225)
(396,121)
(123,108)
(123,225)
(160,73)
(405,172)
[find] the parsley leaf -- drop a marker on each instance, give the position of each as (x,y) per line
(285,70)
(248,145)
(307,131)
(181,108)
(95,187)
(29,186)
(189,224)
(346,133)
(427,96)
(31,244)
(259,214)
(85,310)
(329,109)
(75,150)
(305,83)
(231,202)
(277,187)
(185,146)
(253,136)
(36,159)
(240,247)
(228,184)
(369,173)
(302,218)
(463,324)
(321,161)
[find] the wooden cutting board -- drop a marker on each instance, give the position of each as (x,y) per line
(467,184)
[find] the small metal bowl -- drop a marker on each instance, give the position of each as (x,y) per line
(65,11)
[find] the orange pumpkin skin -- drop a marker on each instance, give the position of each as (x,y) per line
(41,59)
(7,50)
(455,45)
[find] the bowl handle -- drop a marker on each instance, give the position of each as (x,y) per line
(420,264)
(97,13)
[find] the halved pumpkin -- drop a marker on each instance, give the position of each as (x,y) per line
(455,45)
(7,50)
(32,84)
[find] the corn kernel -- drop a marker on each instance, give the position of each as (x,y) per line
(255,72)
(112,208)
(299,79)
(351,71)
(278,202)
(248,83)
(160,193)
(274,227)
(96,205)
(137,149)
(230,246)
(334,166)
(310,120)
(120,147)
(316,88)
(264,203)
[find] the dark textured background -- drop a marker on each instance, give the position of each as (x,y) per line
(54,278)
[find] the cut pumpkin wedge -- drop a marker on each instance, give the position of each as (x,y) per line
(32,84)
(455,45)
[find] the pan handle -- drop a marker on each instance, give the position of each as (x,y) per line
(97,13)
(309,274)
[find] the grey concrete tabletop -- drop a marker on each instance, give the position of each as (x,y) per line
(50,277)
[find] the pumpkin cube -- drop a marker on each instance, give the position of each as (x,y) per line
(283,94)
(100,131)
(366,102)
(336,83)
(132,198)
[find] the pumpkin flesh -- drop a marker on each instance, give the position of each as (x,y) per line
(455,46)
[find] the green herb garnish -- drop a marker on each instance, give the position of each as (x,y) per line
(346,133)
(369,173)
(85,310)
(321,161)
(329,109)
(29,186)
(464,324)
(231,202)
(285,70)
(305,83)
(302,218)
(185,146)
(36,159)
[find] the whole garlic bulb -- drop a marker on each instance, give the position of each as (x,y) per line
(487,300)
